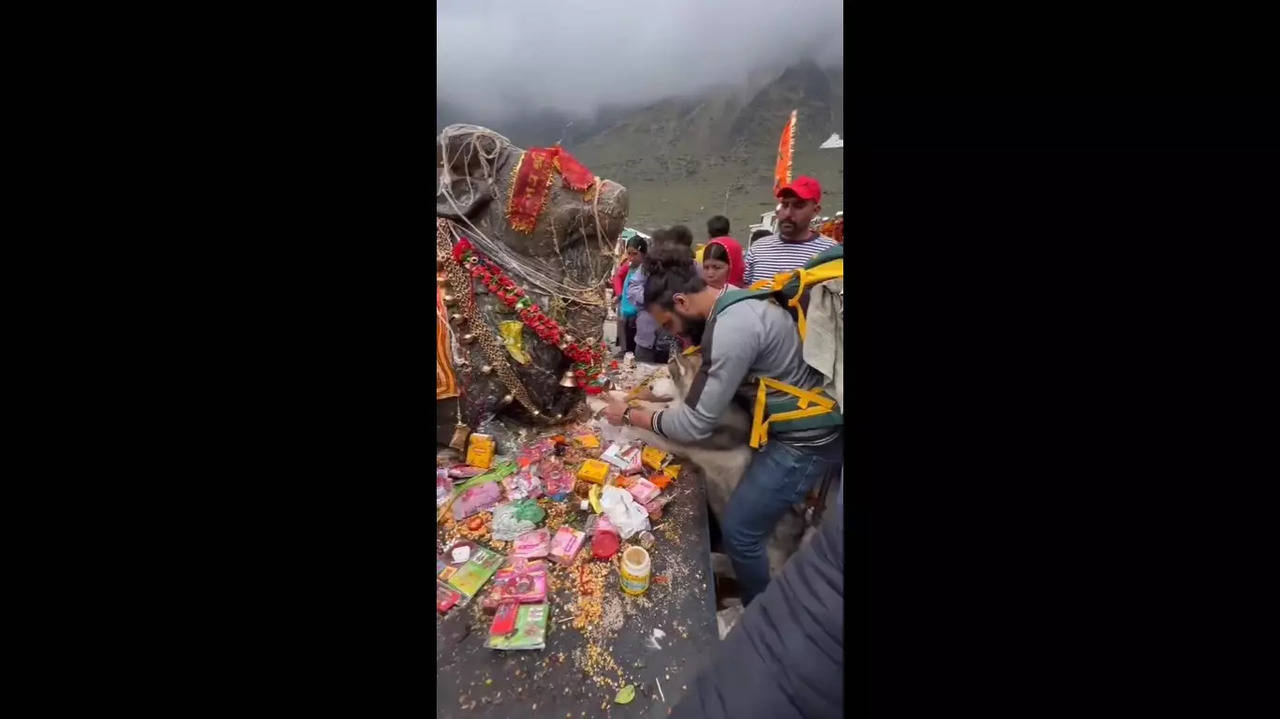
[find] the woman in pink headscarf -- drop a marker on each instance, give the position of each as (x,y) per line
(722,264)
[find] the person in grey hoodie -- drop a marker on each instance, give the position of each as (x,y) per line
(742,338)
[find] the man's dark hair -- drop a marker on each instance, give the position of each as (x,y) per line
(759,233)
(681,234)
(671,271)
(718,226)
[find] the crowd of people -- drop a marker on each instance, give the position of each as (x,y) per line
(668,299)
(787,645)
(721,263)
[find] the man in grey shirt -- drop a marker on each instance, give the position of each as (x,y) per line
(743,341)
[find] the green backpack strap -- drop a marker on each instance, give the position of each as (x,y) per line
(732,297)
(827,255)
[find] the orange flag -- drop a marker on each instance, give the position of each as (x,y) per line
(787,143)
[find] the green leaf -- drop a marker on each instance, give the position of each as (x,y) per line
(626,694)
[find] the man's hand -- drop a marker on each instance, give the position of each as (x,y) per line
(648,396)
(613,411)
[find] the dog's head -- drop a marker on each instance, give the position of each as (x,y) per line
(683,367)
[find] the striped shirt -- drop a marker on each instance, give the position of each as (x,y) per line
(770,255)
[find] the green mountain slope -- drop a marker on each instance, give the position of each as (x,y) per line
(688,158)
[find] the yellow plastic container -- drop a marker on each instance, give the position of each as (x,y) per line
(634,570)
(593,470)
(480,451)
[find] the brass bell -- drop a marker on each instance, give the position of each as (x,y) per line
(537,413)
(468,338)
(450,300)
(456,317)
(567,379)
(506,400)
(486,369)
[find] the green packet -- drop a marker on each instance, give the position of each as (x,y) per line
(530,631)
(469,575)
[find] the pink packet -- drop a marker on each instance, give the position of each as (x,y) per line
(565,545)
(476,499)
(643,490)
(532,544)
(522,486)
(465,471)
(654,507)
(521,581)
(535,453)
(444,487)
(560,482)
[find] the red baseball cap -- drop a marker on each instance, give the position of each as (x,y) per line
(806,188)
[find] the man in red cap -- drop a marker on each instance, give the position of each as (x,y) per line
(795,244)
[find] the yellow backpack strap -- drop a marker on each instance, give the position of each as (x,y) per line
(760,425)
(809,278)
(775,283)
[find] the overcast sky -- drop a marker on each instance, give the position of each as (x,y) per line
(574,55)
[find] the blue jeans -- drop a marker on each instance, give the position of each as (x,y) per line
(778,477)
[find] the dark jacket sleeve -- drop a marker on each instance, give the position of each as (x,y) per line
(785,656)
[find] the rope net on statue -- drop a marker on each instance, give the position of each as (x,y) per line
(536,273)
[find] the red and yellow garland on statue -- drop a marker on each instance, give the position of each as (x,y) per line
(531,183)
(588,361)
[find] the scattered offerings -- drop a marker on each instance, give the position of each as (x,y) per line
(465,471)
(444,487)
(522,485)
(528,630)
(476,499)
(655,458)
(627,458)
(559,480)
(513,519)
(634,571)
(532,544)
(593,470)
(565,545)
(480,450)
(521,580)
(465,566)
(446,597)
(643,490)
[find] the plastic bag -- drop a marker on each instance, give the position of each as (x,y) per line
(619,435)
(513,519)
(623,512)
